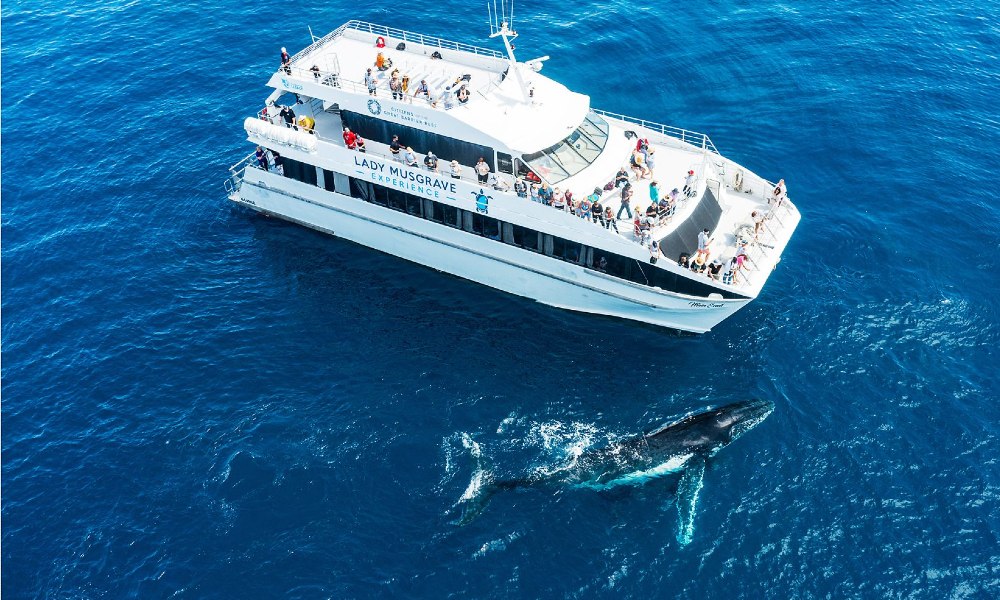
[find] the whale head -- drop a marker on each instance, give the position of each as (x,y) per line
(712,430)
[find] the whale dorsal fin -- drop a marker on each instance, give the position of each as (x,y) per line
(687,497)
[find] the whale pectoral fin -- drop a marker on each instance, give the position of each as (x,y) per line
(687,498)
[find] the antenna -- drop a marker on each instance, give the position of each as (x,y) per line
(507,34)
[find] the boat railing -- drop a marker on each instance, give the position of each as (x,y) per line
(232,182)
(694,138)
(396,34)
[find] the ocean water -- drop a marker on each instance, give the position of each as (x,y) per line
(200,402)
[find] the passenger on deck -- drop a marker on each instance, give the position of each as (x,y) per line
(703,243)
(651,212)
(637,164)
(597,209)
(621,177)
(570,203)
(382,63)
(405,86)
(684,260)
(545,194)
(730,275)
(626,199)
(286,61)
(396,86)
(533,191)
(654,192)
(423,90)
(609,219)
(288,116)
(715,269)
(698,265)
(463,95)
(371,83)
(758,222)
(655,253)
(690,184)
(779,193)
(585,205)
(431,162)
(409,158)
(482,170)
(315,71)
(261,155)
(361,144)
(448,98)
(641,144)
(651,161)
(308,124)
(558,199)
(456,170)
(520,187)
(394,147)
(279,163)
(498,183)
(350,139)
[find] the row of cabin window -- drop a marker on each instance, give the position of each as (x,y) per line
(508,233)
(535,241)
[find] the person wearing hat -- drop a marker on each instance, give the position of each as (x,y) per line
(288,116)
(689,184)
(286,61)
(350,139)
(423,90)
(715,269)
(520,187)
(456,170)
(431,162)
(410,158)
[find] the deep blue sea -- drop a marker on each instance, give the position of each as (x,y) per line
(201,402)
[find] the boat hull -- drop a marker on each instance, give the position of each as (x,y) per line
(508,268)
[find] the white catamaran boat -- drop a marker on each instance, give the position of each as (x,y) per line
(456,109)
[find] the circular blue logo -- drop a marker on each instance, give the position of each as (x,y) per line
(374,107)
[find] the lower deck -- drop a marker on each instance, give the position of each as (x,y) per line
(717,200)
(496,255)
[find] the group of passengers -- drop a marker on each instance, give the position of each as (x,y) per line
(266,158)
(399,86)
(643,159)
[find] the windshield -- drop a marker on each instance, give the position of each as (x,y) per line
(573,154)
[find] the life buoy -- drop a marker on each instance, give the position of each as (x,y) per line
(380,42)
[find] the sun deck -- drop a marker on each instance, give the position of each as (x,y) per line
(498,107)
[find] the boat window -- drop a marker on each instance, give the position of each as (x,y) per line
(504,163)
(573,154)
(616,265)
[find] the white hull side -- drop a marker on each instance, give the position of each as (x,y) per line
(486,261)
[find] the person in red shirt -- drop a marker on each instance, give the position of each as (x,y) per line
(350,139)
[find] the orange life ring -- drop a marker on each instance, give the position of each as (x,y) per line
(380,42)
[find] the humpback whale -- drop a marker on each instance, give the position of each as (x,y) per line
(682,446)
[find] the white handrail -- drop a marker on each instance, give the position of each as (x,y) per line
(399,34)
(689,137)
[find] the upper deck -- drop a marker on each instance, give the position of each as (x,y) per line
(498,112)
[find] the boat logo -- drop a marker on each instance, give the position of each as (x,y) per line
(374,107)
(290,86)
(482,201)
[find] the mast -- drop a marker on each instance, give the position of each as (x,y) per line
(507,34)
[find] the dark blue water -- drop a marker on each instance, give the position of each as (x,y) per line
(201,402)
